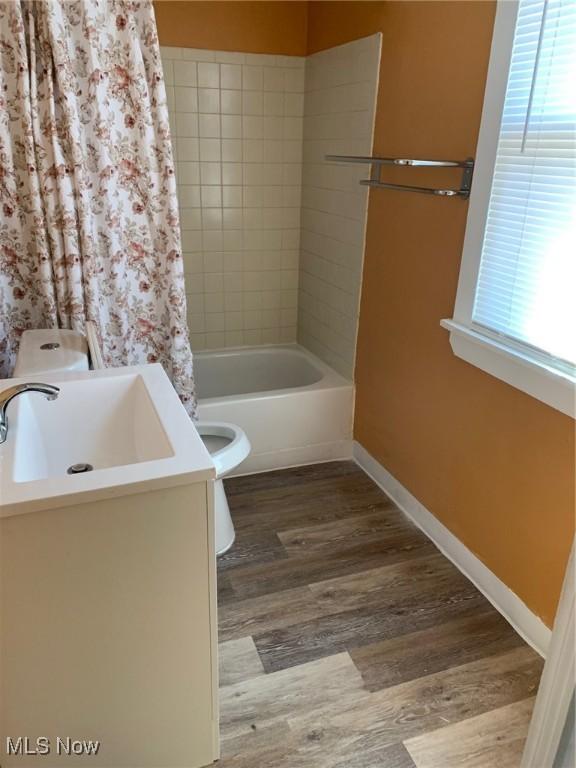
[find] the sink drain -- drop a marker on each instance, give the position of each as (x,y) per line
(78,469)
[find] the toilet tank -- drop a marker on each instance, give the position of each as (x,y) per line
(50,350)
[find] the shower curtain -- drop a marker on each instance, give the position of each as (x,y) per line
(89,225)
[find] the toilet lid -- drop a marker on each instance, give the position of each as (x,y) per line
(227,444)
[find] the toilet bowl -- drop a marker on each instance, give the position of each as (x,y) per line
(51,350)
(228,446)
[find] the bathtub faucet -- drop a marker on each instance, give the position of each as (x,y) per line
(9,394)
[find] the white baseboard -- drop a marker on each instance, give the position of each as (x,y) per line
(526,623)
(294,457)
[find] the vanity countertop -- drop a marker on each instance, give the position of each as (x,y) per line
(127,424)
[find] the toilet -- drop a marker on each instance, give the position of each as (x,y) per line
(52,351)
(228,446)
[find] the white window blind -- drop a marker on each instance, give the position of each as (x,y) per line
(526,288)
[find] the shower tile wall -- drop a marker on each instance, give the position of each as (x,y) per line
(236,122)
(341,89)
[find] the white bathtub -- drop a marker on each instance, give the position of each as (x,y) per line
(294,408)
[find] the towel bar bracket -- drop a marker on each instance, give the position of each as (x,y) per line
(466,182)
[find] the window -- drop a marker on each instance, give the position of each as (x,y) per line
(515,313)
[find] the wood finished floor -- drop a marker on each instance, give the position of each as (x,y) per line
(348,641)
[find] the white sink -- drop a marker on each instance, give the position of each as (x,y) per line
(127,424)
(117,426)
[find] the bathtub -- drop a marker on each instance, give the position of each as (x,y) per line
(294,408)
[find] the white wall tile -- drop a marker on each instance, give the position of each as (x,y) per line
(185,73)
(231,150)
(262,59)
(186,125)
(233,241)
(169,52)
(191,240)
(215,340)
(232,260)
(233,282)
(292,152)
(273,103)
(237,126)
(212,264)
(232,218)
(273,79)
(338,118)
(290,61)
(231,102)
(189,196)
(253,150)
(273,127)
(190,218)
(233,301)
(208,75)
(196,322)
(209,126)
(234,321)
(209,149)
(226,57)
(252,127)
(293,104)
(231,76)
(212,240)
(193,266)
(188,173)
(215,322)
(294,80)
(210,173)
(253,337)
(208,100)
(185,99)
(271,150)
(252,102)
(197,54)
(292,129)
(187,149)
(211,196)
(213,284)
(232,173)
(232,197)
(252,78)
(231,126)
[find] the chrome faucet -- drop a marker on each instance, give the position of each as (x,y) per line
(9,394)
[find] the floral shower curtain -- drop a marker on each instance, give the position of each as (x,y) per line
(89,224)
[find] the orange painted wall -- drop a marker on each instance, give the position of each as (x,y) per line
(251,27)
(493,464)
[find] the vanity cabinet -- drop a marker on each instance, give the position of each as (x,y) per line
(109,631)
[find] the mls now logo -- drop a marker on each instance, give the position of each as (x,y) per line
(23,745)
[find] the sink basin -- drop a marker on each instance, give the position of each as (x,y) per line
(126,425)
(117,426)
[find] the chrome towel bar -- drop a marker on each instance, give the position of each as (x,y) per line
(408,188)
(377,163)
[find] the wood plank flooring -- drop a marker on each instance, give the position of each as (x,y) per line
(348,641)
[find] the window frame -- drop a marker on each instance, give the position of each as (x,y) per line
(528,370)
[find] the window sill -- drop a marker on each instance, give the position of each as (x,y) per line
(514,366)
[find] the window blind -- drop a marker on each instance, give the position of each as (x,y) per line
(526,288)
